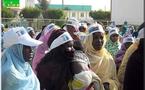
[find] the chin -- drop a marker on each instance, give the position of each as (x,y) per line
(99,48)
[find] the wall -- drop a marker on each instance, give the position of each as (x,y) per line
(129,10)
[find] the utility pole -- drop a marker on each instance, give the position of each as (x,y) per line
(62,4)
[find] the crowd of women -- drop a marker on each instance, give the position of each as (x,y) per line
(76,56)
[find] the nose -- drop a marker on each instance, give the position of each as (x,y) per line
(71,49)
(99,41)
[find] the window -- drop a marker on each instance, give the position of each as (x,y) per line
(82,14)
(73,14)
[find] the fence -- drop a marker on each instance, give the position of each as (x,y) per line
(38,23)
(35,23)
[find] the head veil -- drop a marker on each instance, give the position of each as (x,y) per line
(16,73)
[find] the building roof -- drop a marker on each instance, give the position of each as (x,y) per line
(71,7)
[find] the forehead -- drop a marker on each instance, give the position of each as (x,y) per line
(114,35)
(98,34)
(70,27)
(69,43)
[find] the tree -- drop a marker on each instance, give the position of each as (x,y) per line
(53,14)
(30,12)
(100,15)
(7,13)
(43,4)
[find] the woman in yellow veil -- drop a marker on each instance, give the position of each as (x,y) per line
(101,60)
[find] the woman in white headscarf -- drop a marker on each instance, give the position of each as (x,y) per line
(101,61)
(17,74)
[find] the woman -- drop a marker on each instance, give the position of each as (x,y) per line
(31,31)
(128,53)
(17,74)
(113,45)
(56,64)
(61,67)
(134,73)
(125,45)
(40,50)
(101,61)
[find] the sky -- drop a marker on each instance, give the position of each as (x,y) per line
(96,4)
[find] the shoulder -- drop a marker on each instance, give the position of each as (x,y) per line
(80,56)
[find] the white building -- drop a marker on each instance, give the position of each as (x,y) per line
(131,11)
(77,11)
(26,3)
(29,3)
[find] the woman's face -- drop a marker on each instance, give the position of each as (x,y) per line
(27,53)
(71,30)
(32,34)
(67,49)
(98,40)
(114,37)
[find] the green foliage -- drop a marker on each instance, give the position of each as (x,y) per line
(30,12)
(43,4)
(7,13)
(100,15)
(53,14)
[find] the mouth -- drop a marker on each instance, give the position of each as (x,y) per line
(30,56)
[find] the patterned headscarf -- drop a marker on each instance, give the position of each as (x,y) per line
(16,73)
(113,47)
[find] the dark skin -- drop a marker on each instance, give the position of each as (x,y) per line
(57,62)
(82,29)
(97,41)
(127,44)
(27,53)
(67,49)
(71,30)
(97,45)
(114,37)
(32,34)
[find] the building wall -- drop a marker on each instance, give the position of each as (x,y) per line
(127,10)
(29,3)
(77,14)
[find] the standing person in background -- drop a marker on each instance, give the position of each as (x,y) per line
(128,53)
(124,28)
(31,31)
(72,26)
(113,24)
(108,28)
(113,44)
(125,45)
(17,74)
(83,28)
(39,34)
(101,60)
